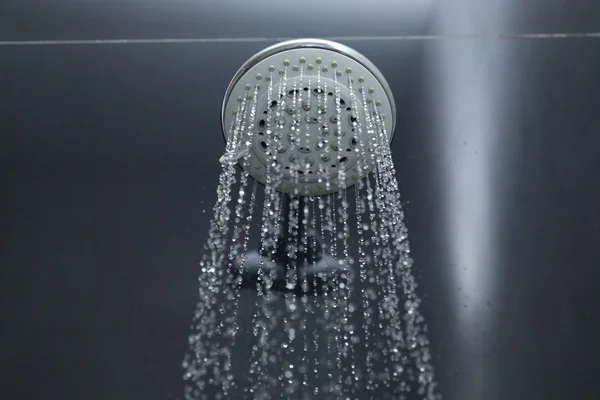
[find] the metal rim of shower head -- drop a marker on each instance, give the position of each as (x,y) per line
(332,48)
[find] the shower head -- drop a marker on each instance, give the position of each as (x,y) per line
(305,116)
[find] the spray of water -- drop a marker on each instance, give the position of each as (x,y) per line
(305,328)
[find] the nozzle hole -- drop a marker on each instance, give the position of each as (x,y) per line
(261,124)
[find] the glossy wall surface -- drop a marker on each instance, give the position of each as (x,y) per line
(109,165)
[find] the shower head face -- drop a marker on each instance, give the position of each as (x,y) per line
(305,113)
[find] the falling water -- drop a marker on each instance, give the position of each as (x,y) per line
(355,332)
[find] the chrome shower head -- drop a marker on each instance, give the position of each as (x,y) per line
(305,116)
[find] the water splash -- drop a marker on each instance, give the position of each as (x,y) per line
(332,309)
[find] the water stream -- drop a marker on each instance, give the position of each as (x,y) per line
(357,334)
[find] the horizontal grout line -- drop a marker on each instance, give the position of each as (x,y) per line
(134,41)
(279,39)
(475,36)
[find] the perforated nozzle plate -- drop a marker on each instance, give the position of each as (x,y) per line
(301,140)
